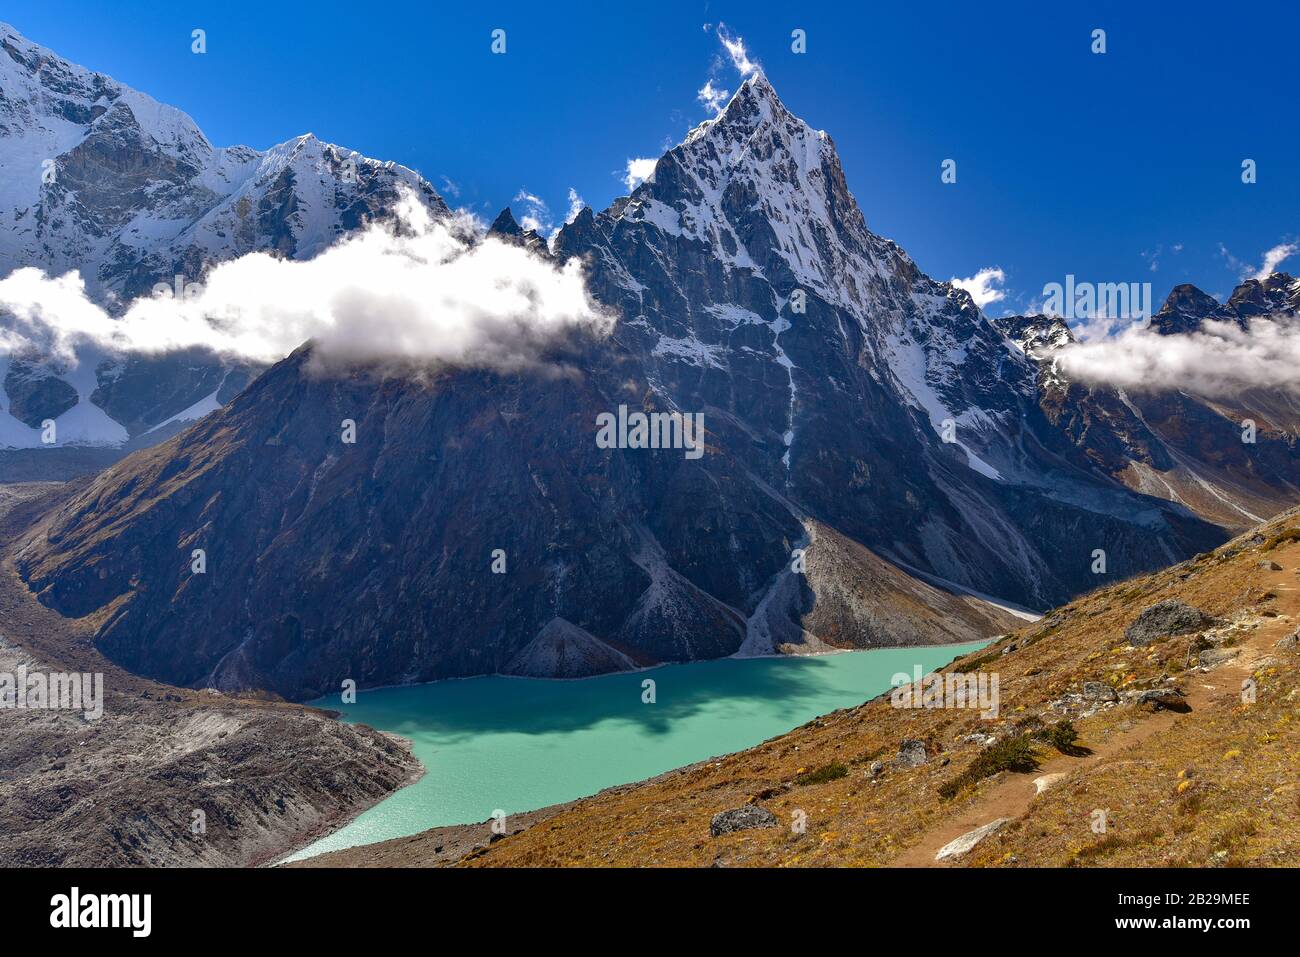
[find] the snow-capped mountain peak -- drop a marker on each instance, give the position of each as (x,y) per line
(102,179)
(767,191)
(852,408)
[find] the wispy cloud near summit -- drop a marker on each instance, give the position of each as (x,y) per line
(1273,258)
(715,94)
(981,286)
(735,48)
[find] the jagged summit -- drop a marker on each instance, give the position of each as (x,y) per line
(98,177)
(755,101)
(62,84)
(767,192)
(1184,309)
(506,227)
(1187,307)
(505,224)
(1279,292)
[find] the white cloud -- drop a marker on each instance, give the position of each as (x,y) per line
(981,286)
(427,291)
(712,97)
(1273,257)
(1219,360)
(450,188)
(1101,327)
(537,215)
(576,204)
(735,47)
(638,171)
(1235,264)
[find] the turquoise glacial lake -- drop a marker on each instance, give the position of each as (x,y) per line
(518,744)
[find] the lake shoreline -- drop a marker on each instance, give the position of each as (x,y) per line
(313,702)
(326,828)
(495,745)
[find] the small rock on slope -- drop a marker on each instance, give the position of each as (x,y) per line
(1213,657)
(741,819)
(963,844)
(1168,699)
(1099,691)
(1041,784)
(911,753)
(1165,618)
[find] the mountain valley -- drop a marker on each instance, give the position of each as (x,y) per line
(865,460)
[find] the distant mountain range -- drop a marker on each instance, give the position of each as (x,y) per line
(1174,445)
(880,456)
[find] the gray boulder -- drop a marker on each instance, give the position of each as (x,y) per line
(1099,691)
(1213,657)
(1163,619)
(911,753)
(741,819)
(1163,699)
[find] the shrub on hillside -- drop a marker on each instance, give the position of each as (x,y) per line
(1009,754)
(1062,736)
(827,772)
(1281,538)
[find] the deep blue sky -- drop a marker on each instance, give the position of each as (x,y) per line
(1068,162)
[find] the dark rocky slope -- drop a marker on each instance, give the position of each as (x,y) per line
(122,789)
(373,561)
